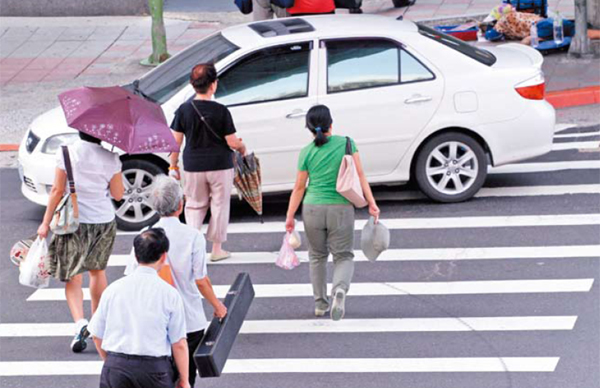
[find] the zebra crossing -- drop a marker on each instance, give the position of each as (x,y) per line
(431,312)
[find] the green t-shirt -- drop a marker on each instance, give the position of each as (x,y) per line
(323,164)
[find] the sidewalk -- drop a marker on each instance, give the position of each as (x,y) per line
(41,57)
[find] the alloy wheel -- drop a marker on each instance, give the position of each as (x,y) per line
(452,168)
(135,206)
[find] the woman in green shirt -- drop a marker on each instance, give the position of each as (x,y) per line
(328,217)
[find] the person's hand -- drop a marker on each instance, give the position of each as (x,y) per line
(175,174)
(374,211)
(220,311)
(290,224)
(43,230)
(183,384)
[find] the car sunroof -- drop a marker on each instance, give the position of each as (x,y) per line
(282,27)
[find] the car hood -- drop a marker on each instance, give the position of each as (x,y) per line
(50,123)
(514,55)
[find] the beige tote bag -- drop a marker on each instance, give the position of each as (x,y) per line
(348,181)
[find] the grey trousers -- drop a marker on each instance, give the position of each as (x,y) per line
(264,10)
(329,229)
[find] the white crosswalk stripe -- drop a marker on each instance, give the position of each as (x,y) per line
(306,326)
(439,328)
(391,288)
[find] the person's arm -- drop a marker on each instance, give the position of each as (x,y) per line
(56,194)
(296,199)
(174,157)
(182,361)
(235,143)
(98,343)
(116,187)
(206,289)
(366,188)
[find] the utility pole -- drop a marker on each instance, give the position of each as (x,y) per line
(580,45)
(159,35)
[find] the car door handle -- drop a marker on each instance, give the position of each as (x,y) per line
(417,99)
(296,114)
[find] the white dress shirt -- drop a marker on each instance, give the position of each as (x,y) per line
(187,258)
(139,315)
(93,168)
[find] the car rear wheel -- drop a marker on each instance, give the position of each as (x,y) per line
(134,211)
(451,167)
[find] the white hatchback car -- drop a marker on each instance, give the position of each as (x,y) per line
(417,102)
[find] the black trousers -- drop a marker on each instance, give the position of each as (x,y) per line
(193,340)
(124,371)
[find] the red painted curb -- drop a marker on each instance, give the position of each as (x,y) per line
(574,97)
(9,147)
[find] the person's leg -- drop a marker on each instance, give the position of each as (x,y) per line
(98,284)
(74,294)
(197,196)
(316,235)
(279,12)
(340,226)
(261,10)
(221,184)
(193,340)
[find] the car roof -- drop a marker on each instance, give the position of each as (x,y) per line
(248,35)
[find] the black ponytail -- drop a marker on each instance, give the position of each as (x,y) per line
(318,121)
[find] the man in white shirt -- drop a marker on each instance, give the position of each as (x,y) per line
(187,261)
(140,323)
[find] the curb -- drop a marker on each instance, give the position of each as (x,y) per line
(558,99)
(574,97)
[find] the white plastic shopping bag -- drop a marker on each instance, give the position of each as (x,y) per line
(287,258)
(35,270)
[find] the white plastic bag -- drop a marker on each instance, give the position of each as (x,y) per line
(35,270)
(287,258)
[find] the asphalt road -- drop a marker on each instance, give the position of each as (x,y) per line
(498,292)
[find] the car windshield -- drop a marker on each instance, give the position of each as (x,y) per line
(167,79)
(482,56)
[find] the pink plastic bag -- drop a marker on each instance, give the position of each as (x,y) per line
(287,258)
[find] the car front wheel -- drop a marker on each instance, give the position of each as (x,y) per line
(135,211)
(451,167)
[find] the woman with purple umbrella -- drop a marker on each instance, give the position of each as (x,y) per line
(207,158)
(97,175)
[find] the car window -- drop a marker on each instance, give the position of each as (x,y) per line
(359,64)
(411,70)
(167,79)
(271,74)
(480,55)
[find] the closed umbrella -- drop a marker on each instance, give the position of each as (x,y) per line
(118,117)
(248,181)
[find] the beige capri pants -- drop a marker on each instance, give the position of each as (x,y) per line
(209,189)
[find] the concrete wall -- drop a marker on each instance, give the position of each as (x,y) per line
(73,7)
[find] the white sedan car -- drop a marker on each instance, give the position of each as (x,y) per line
(418,103)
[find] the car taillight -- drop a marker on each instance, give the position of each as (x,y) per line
(532,89)
(535,92)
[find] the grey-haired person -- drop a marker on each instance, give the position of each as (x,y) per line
(328,217)
(187,260)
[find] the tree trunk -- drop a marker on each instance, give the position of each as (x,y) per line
(159,35)
(593,11)
(580,45)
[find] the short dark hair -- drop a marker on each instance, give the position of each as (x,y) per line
(150,245)
(318,121)
(202,76)
(89,138)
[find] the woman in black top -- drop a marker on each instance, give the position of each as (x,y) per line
(207,158)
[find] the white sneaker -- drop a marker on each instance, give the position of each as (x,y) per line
(320,313)
(79,342)
(338,307)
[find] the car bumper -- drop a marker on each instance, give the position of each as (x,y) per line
(36,171)
(526,137)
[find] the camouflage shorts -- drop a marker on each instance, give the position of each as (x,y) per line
(88,248)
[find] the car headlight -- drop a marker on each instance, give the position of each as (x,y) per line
(54,142)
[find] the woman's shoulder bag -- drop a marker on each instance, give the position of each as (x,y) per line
(66,215)
(348,181)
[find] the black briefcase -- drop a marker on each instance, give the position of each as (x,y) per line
(212,353)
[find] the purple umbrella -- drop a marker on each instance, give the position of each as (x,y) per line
(120,118)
